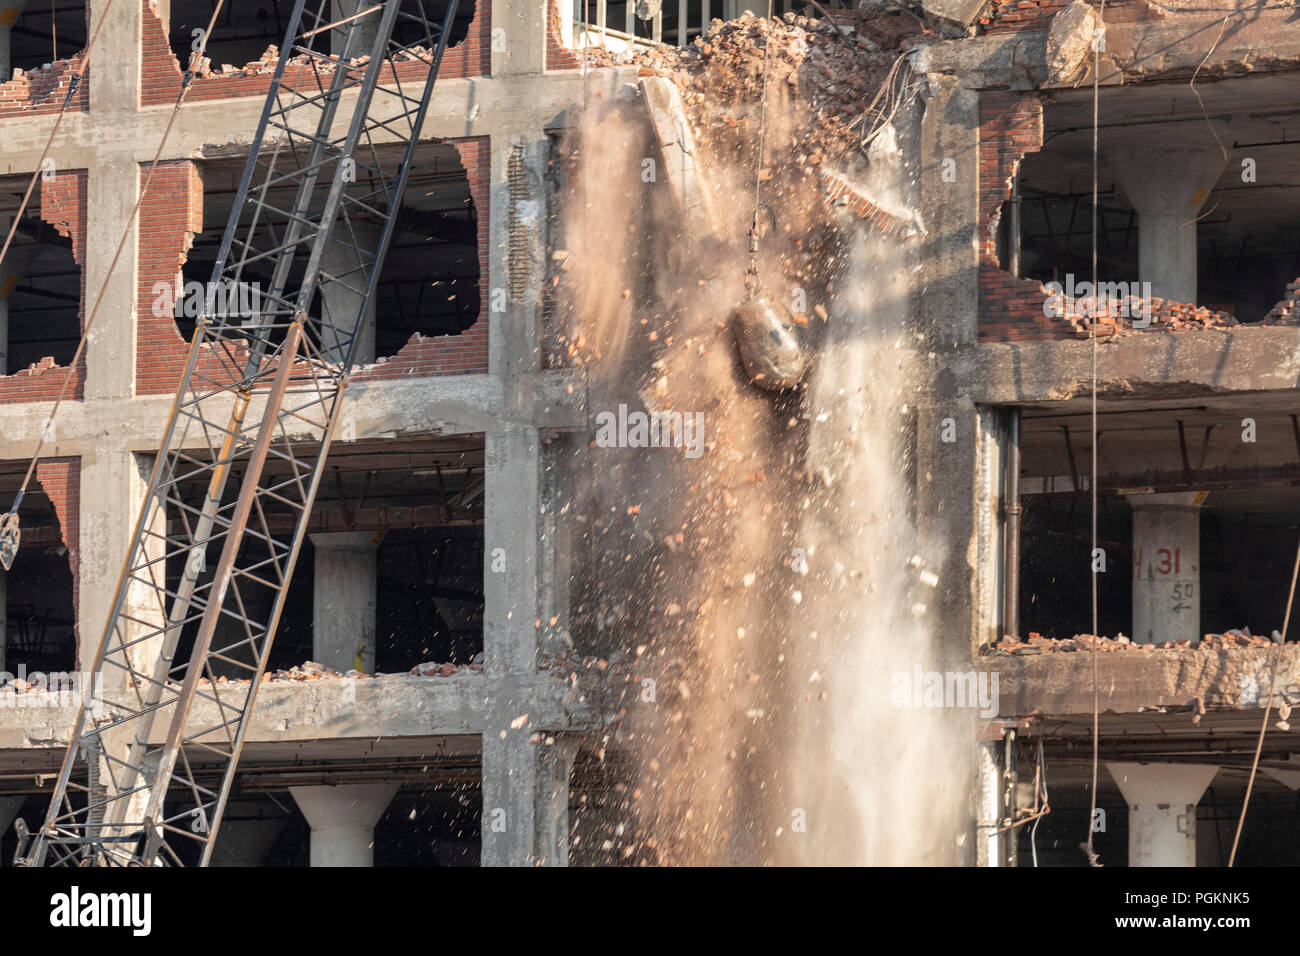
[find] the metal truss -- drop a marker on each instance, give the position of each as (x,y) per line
(176,675)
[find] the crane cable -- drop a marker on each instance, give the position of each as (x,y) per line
(9,521)
(751,270)
(1098,33)
(1268,708)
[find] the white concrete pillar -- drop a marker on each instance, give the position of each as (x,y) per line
(9,807)
(1166,567)
(341,300)
(245,842)
(1167,188)
(343,599)
(10,10)
(1162,800)
(343,821)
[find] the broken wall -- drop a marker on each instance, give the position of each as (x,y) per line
(162,71)
(63,206)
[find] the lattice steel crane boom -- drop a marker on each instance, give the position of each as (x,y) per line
(249,428)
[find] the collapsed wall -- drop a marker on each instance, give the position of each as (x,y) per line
(753,566)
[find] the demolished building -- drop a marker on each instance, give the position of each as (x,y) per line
(462,654)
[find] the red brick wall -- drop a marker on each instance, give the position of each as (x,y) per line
(1008,16)
(558,56)
(170,216)
(63,206)
(467,353)
(1010,309)
(173,212)
(161,81)
(1011,125)
(43,91)
(60,479)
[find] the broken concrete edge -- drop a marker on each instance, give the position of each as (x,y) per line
(1211,362)
(465,703)
(1135,52)
(676,141)
(1175,679)
(955,17)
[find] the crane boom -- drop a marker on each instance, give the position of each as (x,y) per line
(158,736)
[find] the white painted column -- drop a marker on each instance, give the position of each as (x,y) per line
(343,599)
(1166,567)
(1162,800)
(341,300)
(1167,188)
(343,821)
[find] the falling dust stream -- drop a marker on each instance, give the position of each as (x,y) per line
(762,588)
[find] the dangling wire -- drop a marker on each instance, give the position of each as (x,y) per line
(1268,707)
(1092,337)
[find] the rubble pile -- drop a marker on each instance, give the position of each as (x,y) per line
(1037,644)
(1170,316)
(1286,312)
(266,63)
(813,112)
(1166,316)
(270,59)
(311,670)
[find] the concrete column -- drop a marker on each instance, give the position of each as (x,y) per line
(521,25)
(1162,800)
(10,10)
(526,799)
(952,511)
(4,614)
(9,807)
(1166,567)
(343,821)
(949,151)
(111,193)
(341,300)
(988,846)
(245,842)
(1167,188)
(343,599)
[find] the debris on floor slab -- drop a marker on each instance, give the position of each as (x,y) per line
(1037,644)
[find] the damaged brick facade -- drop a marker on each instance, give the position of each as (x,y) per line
(60,479)
(63,206)
(162,71)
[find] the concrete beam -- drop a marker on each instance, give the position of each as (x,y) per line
(1251,41)
(1134,366)
(341,708)
(1060,684)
